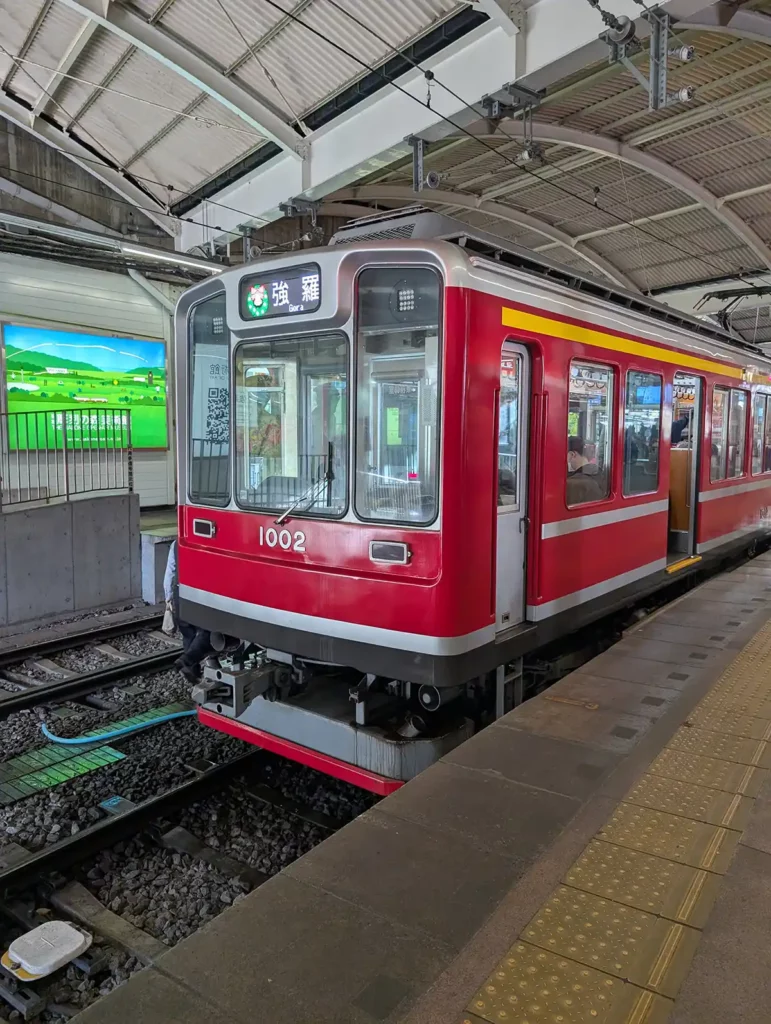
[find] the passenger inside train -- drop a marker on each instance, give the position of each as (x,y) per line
(583,484)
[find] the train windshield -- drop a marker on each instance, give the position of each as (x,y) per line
(397,418)
(292,424)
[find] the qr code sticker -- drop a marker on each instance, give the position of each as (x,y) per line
(217,411)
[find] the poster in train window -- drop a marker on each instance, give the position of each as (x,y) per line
(69,377)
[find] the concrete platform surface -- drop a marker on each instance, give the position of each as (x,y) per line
(600,855)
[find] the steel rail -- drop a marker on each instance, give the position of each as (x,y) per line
(113,828)
(81,686)
(42,648)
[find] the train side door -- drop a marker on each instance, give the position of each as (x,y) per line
(684,465)
(512,520)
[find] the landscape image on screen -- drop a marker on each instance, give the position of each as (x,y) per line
(83,373)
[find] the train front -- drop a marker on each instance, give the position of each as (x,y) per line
(310,536)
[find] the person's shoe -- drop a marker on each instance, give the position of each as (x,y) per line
(193,675)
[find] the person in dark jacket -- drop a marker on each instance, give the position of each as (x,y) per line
(583,483)
(678,426)
(196,643)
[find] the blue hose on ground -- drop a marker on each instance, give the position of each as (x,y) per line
(104,736)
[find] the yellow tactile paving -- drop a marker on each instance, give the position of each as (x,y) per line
(723,746)
(532,986)
(608,936)
(728,701)
(709,772)
(614,942)
(734,723)
(690,801)
(676,891)
(670,836)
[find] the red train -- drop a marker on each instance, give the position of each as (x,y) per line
(410,458)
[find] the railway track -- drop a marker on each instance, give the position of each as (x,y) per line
(94,634)
(78,686)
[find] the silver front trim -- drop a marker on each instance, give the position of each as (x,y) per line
(354,631)
(728,492)
(726,538)
(536,613)
(561,527)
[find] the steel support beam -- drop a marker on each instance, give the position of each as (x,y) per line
(153,291)
(729,20)
(71,54)
(65,144)
(256,111)
(41,16)
(368,138)
(608,147)
(507,14)
(446,197)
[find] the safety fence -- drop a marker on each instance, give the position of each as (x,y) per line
(61,454)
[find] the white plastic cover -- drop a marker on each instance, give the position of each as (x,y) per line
(48,947)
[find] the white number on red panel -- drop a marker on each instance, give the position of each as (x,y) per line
(286,540)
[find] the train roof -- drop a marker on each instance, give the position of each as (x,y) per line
(416,223)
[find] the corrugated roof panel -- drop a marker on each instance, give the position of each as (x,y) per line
(103,53)
(306,62)
(740,178)
(203,24)
(193,151)
(54,35)
(17,18)
(141,99)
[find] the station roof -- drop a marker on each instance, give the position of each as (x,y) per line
(176,104)
(172,92)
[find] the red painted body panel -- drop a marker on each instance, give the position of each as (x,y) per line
(575,561)
(726,515)
(448,589)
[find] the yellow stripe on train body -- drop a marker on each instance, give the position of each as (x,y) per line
(587,336)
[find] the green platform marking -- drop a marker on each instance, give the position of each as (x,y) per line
(54,764)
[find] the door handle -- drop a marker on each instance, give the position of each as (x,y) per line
(526,521)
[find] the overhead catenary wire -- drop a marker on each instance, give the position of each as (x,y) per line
(463,130)
(289,15)
(210,122)
(252,50)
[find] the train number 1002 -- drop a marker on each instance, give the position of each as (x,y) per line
(284,539)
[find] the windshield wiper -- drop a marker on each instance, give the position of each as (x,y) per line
(313,493)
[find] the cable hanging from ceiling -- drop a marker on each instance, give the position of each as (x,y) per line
(463,130)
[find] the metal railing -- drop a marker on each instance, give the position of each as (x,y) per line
(60,454)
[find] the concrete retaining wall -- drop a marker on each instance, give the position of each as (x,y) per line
(60,559)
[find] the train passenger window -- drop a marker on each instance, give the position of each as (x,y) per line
(590,402)
(719,422)
(508,430)
(642,424)
(209,453)
(397,398)
(761,434)
(737,433)
(758,433)
(292,425)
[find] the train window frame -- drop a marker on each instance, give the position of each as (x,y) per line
(764,439)
(290,335)
(721,389)
(190,381)
(614,373)
(735,392)
(403,524)
(660,378)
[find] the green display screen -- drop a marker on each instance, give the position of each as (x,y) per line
(80,377)
(281,293)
